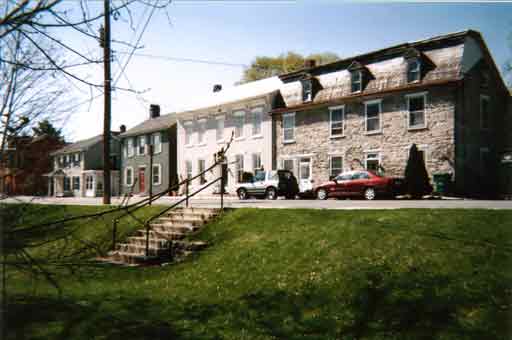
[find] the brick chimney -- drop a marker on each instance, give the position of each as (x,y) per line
(217,88)
(309,63)
(122,128)
(154,111)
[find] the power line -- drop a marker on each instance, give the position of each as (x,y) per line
(191,60)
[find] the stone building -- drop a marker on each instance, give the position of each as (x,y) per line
(444,94)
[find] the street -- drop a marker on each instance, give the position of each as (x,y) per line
(233,202)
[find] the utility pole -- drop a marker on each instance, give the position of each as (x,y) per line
(105,43)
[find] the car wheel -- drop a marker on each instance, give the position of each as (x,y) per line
(321,194)
(271,194)
(242,193)
(369,194)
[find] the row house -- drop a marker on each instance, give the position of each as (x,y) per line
(160,132)
(444,94)
(240,112)
(78,168)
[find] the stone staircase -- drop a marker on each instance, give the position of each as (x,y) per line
(166,238)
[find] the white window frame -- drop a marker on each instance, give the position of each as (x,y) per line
(417,95)
(130,145)
(330,163)
(139,139)
(157,165)
(239,168)
(292,159)
(89,182)
(257,112)
(335,108)
(126,176)
(157,148)
(255,156)
(484,97)
(360,81)
(378,158)
(189,131)
(366,104)
(187,174)
(199,170)
(239,117)
(218,121)
(409,70)
(287,115)
(309,97)
(201,131)
(300,162)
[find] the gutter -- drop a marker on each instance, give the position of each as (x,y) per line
(354,97)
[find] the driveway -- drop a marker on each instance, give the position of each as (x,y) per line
(233,202)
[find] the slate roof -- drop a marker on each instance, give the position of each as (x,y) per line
(152,125)
(81,145)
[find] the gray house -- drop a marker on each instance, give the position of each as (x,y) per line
(159,131)
(78,168)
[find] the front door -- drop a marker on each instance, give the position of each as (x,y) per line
(305,184)
(142,182)
(89,186)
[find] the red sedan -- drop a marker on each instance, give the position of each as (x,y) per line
(358,183)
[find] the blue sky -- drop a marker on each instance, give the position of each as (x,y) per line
(237,31)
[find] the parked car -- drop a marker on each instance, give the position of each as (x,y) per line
(359,183)
(269,184)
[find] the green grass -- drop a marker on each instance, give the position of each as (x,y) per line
(291,274)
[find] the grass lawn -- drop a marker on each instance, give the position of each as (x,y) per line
(286,274)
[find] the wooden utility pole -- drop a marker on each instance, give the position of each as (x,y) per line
(105,41)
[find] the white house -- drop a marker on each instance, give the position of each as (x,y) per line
(207,125)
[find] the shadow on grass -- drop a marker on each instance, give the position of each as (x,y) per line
(375,306)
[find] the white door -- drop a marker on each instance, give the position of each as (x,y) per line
(305,183)
(89,185)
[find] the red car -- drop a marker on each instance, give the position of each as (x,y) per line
(359,183)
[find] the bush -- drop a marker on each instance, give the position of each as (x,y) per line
(417,182)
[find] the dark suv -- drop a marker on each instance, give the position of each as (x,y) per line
(269,184)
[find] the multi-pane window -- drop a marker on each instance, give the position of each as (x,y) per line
(336,166)
(76,183)
(337,117)
(188,167)
(256,162)
(356,80)
(484,112)
(129,142)
(201,164)
(188,134)
(307,91)
(305,168)
(239,167)
(141,147)
(219,129)
(256,122)
(416,107)
(289,127)
(239,121)
(67,183)
(372,114)
(128,176)
(413,70)
(157,174)
(89,182)
(288,164)
(156,140)
(372,161)
(201,128)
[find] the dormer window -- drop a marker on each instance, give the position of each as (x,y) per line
(307,90)
(413,70)
(356,78)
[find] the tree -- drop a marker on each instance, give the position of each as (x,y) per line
(417,182)
(44,127)
(264,67)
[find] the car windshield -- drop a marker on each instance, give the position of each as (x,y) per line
(260,176)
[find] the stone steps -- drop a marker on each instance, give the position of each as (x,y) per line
(166,238)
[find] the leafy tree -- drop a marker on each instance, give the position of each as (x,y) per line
(44,127)
(264,67)
(417,182)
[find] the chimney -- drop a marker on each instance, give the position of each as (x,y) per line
(122,128)
(217,88)
(309,63)
(154,111)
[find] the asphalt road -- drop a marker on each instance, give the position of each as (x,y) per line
(232,202)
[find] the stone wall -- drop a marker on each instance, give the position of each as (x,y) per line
(312,135)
